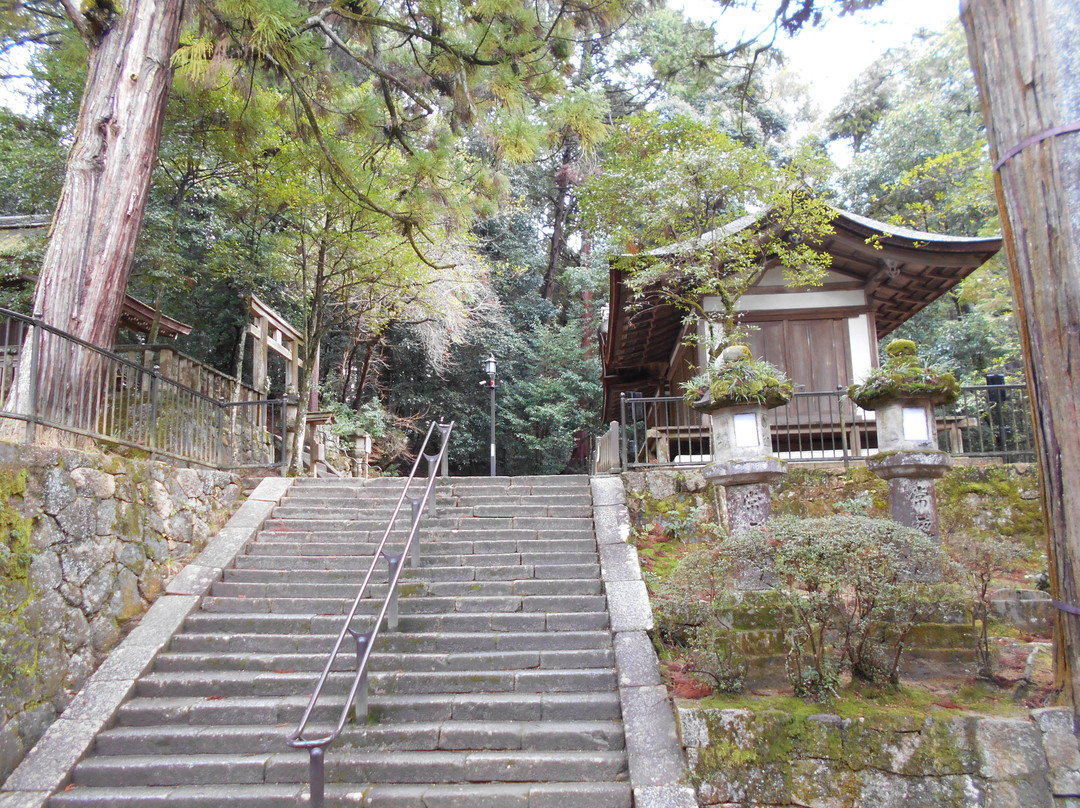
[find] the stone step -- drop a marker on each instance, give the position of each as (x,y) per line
(175,661)
(503,604)
(287,682)
(276,532)
(504,566)
(276,544)
(278,623)
(602,736)
(434,571)
(284,711)
(444,512)
(394,642)
(325,583)
(276,795)
(545,523)
(124,771)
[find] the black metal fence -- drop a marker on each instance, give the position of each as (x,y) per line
(49,379)
(991,420)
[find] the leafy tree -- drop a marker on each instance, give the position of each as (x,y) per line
(920,161)
(683,183)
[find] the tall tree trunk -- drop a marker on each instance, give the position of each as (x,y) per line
(1025,53)
(558,232)
(92,242)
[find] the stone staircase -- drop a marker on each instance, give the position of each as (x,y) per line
(498,689)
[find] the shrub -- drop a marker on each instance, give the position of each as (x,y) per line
(692,607)
(851,589)
(984,558)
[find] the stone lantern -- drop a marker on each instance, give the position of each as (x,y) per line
(903,393)
(358,451)
(740,392)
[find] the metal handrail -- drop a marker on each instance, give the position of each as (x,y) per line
(365,640)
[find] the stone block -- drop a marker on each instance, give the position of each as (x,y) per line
(24,799)
(1009,748)
(1059,737)
(1021,792)
(189,482)
(49,763)
(99,700)
(607,491)
(652,743)
(194,579)
(251,515)
(619,562)
(93,483)
(673,796)
(271,489)
(628,606)
(612,523)
(636,660)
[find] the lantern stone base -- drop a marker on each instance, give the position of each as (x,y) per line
(746,489)
(912,500)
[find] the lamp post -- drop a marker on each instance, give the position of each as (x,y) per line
(489,369)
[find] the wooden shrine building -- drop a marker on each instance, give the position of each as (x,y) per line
(824,337)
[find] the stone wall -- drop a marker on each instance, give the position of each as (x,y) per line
(87,542)
(741,758)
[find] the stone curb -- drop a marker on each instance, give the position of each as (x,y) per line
(658,773)
(48,766)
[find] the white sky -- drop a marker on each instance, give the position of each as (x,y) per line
(832,56)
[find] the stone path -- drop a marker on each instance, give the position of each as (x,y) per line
(500,687)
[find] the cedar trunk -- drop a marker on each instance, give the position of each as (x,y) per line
(1025,54)
(85,270)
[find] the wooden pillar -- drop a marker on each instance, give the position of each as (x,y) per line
(1025,54)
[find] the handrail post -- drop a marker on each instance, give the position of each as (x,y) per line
(360,703)
(31,420)
(221,433)
(414,552)
(622,436)
(393,564)
(843,427)
(444,433)
(284,435)
(151,436)
(432,468)
(317,776)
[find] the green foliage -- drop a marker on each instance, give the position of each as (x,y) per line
(921,161)
(902,375)
(738,378)
(371,418)
(850,589)
(15,529)
(692,610)
(675,195)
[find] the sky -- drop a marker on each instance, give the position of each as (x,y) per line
(832,56)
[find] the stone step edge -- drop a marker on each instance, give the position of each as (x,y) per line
(49,765)
(658,770)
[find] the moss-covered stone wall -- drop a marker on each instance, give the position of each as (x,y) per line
(783,759)
(87,543)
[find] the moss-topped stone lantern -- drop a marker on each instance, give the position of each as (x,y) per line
(736,393)
(904,393)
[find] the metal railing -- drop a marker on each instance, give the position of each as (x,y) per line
(986,421)
(989,420)
(51,379)
(388,610)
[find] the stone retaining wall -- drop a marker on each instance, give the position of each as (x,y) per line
(87,543)
(750,759)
